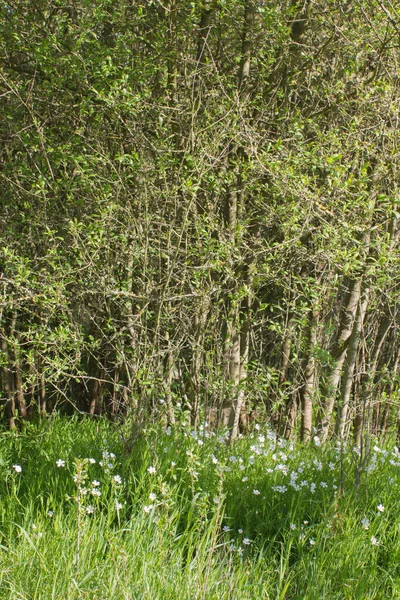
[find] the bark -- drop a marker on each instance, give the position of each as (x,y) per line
(391,393)
(7,386)
(368,380)
(339,355)
(291,417)
(167,382)
(237,328)
(308,389)
(351,357)
(194,391)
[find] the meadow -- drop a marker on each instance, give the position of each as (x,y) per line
(88,513)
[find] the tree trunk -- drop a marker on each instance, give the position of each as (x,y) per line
(237,328)
(351,357)
(339,355)
(308,389)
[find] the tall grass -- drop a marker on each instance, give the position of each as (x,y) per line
(185,515)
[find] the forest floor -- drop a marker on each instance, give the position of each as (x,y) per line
(184,515)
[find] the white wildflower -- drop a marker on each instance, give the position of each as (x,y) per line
(151,470)
(365,523)
(17,468)
(60,463)
(246,541)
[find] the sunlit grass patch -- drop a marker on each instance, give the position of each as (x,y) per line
(186,515)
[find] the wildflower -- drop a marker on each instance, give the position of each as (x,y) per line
(380,508)
(95,492)
(92,461)
(317,441)
(256,492)
(95,483)
(118,505)
(117,479)
(149,508)
(293,526)
(89,509)
(232,548)
(151,470)
(173,464)
(331,466)
(17,468)
(240,551)
(240,530)
(152,496)
(312,542)
(246,541)
(323,484)
(281,489)
(50,513)
(244,479)
(312,488)
(214,460)
(226,528)
(365,523)
(374,541)
(60,463)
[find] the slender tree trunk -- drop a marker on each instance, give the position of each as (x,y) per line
(6,386)
(350,363)
(308,389)
(339,355)
(167,381)
(237,329)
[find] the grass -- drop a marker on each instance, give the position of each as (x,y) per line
(185,515)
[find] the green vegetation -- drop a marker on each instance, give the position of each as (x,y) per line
(200,205)
(199,222)
(185,515)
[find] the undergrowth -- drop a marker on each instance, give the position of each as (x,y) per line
(186,515)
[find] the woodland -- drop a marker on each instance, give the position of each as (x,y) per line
(199,213)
